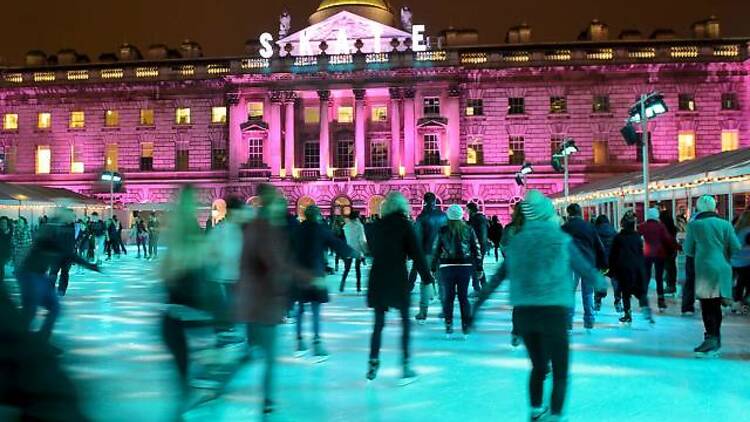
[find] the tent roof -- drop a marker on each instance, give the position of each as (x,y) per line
(13,193)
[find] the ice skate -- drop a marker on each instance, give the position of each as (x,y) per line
(408,376)
(372,369)
(539,413)
(626,319)
(421,315)
(648,315)
(515,340)
(268,407)
(662,303)
(618,307)
(301,348)
(709,348)
(320,354)
(448,331)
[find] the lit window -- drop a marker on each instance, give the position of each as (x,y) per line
(312,115)
(474,107)
(516,105)
(558,105)
(182,116)
(431,150)
(44,120)
(255,153)
(516,153)
(730,140)
(110,157)
(77,120)
(379,114)
(686,102)
(475,152)
(601,104)
(311,154)
(76,160)
(182,159)
(111,118)
(147,156)
(729,101)
(346,114)
(601,152)
(379,153)
(219,115)
(686,146)
(43,159)
(147,117)
(10,121)
(431,106)
(255,110)
(344,156)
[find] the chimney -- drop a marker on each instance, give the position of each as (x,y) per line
(630,35)
(67,56)
(457,37)
(520,34)
(191,49)
(663,34)
(597,31)
(36,58)
(127,53)
(157,52)
(708,28)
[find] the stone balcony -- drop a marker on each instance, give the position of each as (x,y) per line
(378,173)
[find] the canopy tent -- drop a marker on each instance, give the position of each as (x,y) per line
(13,194)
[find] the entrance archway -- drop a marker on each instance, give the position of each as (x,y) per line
(302,204)
(341,206)
(218,210)
(374,205)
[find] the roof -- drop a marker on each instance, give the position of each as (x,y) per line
(329,4)
(14,194)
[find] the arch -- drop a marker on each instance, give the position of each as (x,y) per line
(218,210)
(479,202)
(438,201)
(374,205)
(253,201)
(302,203)
(341,205)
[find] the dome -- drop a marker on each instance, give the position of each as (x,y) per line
(377,10)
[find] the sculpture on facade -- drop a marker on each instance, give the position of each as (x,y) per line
(285,24)
(406,19)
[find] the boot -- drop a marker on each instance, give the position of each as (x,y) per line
(627,318)
(515,340)
(597,305)
(301,347)
(372,369)
(318,349)
(408,375)
(709,348)
(421,315)
(267,407)
(662,304)
(539,413)
(448,329)
(618,306)
(648,315)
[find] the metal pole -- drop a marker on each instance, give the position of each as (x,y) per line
(111,195)
(565,179)
(644,152)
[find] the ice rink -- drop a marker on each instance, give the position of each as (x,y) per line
(110,333)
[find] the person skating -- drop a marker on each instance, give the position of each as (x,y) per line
(112,242)
(99,231)
(457,255)
(741,263)
(711,241)
(658,245)
(60,271)
(670,262)
(606,234)
(393,240)
(6,245)
(21,242)
(141,237)
(478,222)
(154,228)
(354,233)
(428,225)
(495,235)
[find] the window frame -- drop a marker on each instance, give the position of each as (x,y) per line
(431,106)
(379,153)
(146,114)
(558,104)
(37,160)
(374,115)
(347,112)
(311,155)
(475,145)
(111,118)
(730,101)
(255,113)
(146,162)
(513,151)
(182,159)
(344,158)
(39,120)
(223,115)
(431,155)
(474,107)
(601,104)
(7,119)
(255,158)
(516,106)
(183,112)
(686,102)
(77,123)
(686,152)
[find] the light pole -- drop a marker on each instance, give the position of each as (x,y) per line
(525,170)
(112,177)
(566,149)
(644,153)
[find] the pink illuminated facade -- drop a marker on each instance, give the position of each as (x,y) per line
(364,111)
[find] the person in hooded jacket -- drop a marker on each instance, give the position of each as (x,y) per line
(741,262)
(670,262)
(607,235)
(428,225)
(659,245)
(495,235)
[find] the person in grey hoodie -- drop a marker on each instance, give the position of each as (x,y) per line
(540,262)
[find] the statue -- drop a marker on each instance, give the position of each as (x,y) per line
(285,24)
(406,19)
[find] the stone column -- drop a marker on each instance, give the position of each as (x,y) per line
(274,134)
(453,132)
(408,161)
(395,116)
(325,139)
(360,122)
(235,149)
(289,134)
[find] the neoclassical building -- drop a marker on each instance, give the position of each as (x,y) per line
(364,100)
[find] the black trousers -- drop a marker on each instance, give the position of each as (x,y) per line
(496,247)
(357,269)
(64,277)
(377,332)
(456,282)
(742,288)
(658,266)
(670,266)
(626,292)
(2,270)
(175,338)
(711,313)
(688,289)
(544,330)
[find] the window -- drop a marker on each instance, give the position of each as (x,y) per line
(431,150)
(77,120)
(601,104)
(345,114)
(379,153)
(255,110)
(686,146)
(219,159)
(558,105)
(182,159)
(729,101)
(516,154)
(730,140)
(44,120)
(110,157)
(43,159)
(312,115)
(475,152)
(219,115)
(686,102)
(379,114)
(147,117)
(474,107)
(147,156)
(10,121)
(639,150)
(255,153)
(431,106)
(182,116)
(8,162)
(554,144)
(311,158)
(601,152)
(344,157)
(76,160)
(516,105)
(111,118)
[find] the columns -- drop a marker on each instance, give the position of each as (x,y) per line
(289,134)
(235,149)
(395,116)
(360,121)
(410,140)
(325,139)
(453,132)
(274,134)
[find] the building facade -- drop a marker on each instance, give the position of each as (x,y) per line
(354,105)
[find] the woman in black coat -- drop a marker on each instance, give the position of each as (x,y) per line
(607,235)
(627,266)
(392,240)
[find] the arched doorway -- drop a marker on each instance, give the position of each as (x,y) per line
(374,205)
(479,202)
(438,203)
(341,206)
(218,210)
(302,204)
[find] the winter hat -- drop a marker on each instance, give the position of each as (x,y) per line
(706,203)
(652,214)
(536,206)
(455,212)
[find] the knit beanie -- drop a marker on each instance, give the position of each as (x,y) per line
(706,203)
(652,214)
(536,206)
(455,212)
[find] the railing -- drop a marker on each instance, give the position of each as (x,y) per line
(378,173)
(264,173)
(309,174)
(431,170)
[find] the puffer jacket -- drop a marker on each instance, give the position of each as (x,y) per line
(428,225)
(460,248)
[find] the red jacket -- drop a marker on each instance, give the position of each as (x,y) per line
(658,243)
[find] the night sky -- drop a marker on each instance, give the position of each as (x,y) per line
(222,26)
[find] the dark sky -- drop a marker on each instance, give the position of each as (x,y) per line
(222,26)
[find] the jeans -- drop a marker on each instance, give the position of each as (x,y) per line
(377,332)
(670,266)
(64,271)
(587,298)
(455,280)
(99,248)
(263,336)
(153,245)
(688,289)
(37,290)
(316,318)
(543,329)
(711,313)
(357,270)
(742,288)
(658,266)
(598,296)
(426,291)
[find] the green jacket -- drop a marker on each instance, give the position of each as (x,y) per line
(711,241)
